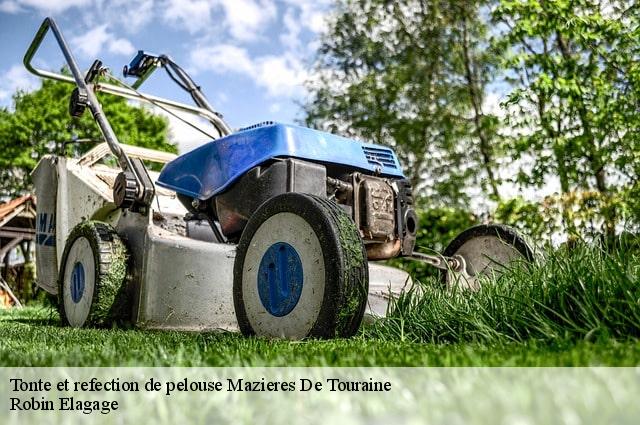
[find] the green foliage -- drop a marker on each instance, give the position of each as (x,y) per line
(573,68)
(39,124)
(415,74)
(412,75)
(438,226)
(528,217)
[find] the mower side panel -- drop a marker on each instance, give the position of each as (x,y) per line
(70,194)
(385,283)
(212,168)
(186,283)
(45,178)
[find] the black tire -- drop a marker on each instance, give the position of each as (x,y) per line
(346,275)
(506,234)
(106,302)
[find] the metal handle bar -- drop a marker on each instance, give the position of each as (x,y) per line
(35,44)
(147,98)
(111,88)
(78,80)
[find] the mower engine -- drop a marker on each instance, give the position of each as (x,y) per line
(382,208)
(295,159)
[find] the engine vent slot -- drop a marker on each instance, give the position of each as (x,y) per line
(260,124)
(380,156)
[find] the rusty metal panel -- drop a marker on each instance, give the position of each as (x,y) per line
(377,210)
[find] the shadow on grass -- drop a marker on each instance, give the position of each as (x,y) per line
(34,321)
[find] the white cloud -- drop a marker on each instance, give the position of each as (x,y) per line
(9,6)
(291,38)
(190,15)
(313,13)
(121,46)
(281,75)
(17,78)
(316,21)
(222,58)
(53,6)
(92,43)
(274,108)
(247,19)
(492,102)
(139,13)
(126,15)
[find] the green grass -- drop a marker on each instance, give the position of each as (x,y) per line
(577,308)
(584,293)
(33,337)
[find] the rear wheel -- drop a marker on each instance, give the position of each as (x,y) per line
(91,284)
(300,270)
(487,250)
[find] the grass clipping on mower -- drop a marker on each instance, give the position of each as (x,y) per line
(351,244)
(113,302)
(110,302)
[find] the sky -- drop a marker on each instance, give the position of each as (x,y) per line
(251,57)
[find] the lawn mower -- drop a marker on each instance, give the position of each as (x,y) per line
(273,229)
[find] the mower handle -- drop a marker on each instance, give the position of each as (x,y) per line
(133,184)
(79,80)
(112,89)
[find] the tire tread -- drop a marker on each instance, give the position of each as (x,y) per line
(107,305)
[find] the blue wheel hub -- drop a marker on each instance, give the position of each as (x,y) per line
(280,279)
(77,282)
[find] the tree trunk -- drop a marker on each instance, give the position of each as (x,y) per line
(475,95)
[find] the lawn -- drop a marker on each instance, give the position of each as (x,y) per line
(577,308)
(32,337)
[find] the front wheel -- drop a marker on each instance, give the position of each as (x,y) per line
(91,285)
(300,270)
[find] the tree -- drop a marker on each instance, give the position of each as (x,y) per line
(479,65)
(412,75)
(576,97)
(39,124)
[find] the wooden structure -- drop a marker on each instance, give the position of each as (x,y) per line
(17,231)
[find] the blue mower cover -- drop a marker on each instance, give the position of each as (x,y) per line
(212,168)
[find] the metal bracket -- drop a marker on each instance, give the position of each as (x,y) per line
(455,263)
(141,67)
(456,267)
